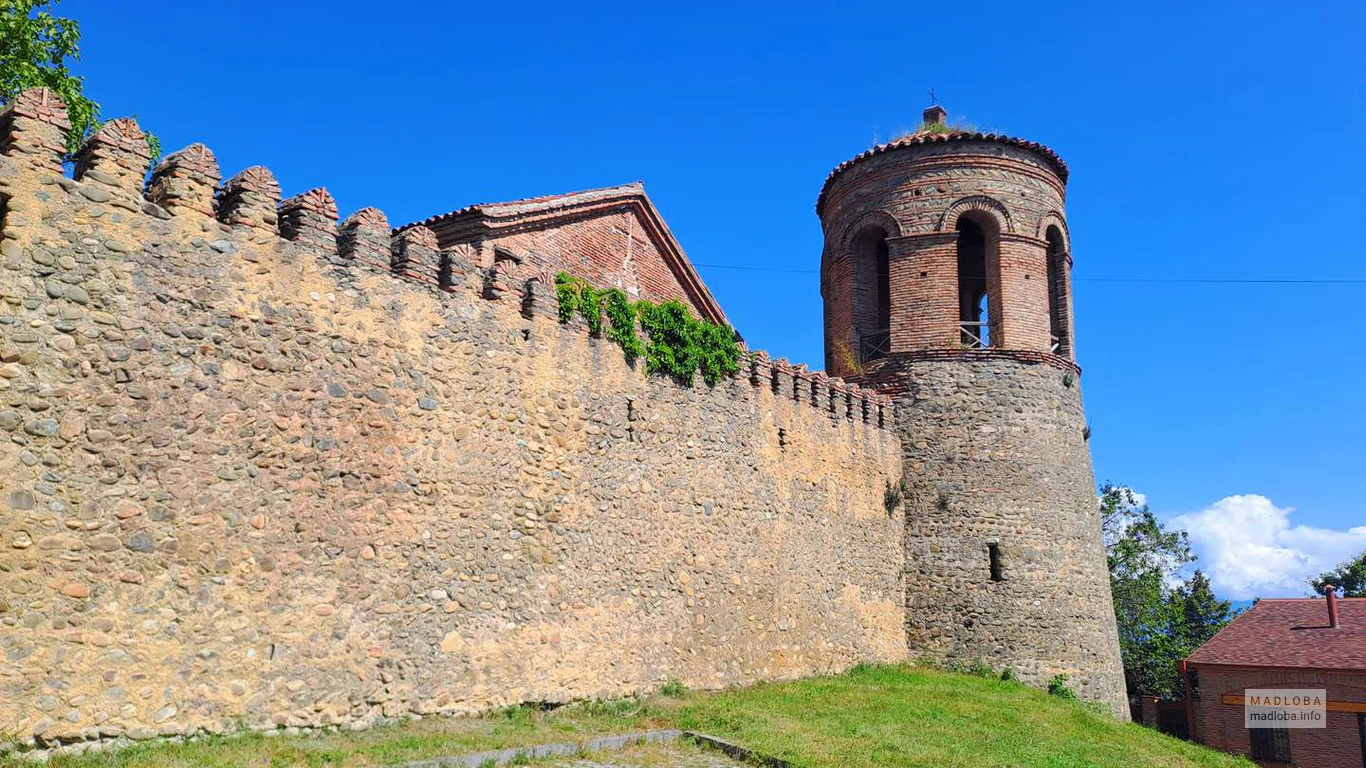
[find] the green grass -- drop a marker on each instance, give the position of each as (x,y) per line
(431,737)
(898,716)
(870,716)
(954,127)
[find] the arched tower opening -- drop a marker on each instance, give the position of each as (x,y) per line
(872,293)
(1059,335)
(979,310)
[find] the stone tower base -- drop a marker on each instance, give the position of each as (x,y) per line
(996,459)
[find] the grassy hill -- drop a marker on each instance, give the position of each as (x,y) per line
(899,716)
(871,716)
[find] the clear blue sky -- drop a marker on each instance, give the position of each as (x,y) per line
(1210,139)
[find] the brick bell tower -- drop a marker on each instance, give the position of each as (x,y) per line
(945,278)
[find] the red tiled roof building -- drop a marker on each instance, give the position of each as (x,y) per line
(1292,643)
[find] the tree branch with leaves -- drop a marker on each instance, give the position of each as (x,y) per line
(1161,620)
(1350,577)
(36,48)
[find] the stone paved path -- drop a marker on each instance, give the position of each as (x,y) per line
(649,756)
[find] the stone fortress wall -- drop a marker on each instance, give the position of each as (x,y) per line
(260,468)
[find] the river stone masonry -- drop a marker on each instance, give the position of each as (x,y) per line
(261,468)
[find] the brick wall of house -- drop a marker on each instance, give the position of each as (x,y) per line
(1220,725)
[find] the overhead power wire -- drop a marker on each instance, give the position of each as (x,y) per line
(1246,280)
(1230,280)
(754,269)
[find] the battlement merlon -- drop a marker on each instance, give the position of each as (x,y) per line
(184,184)
(416,254)
(115,155)
(310,217)
(250,199)
(33,128)
(185,181)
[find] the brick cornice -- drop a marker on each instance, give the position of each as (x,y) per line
(925,170)
(942,238)
(1019,355)
(1019,237)
(923,139)
(883,375)
(930,238)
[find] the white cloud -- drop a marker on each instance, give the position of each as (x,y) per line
(1248,547)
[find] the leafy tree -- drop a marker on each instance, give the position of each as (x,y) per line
(35,47)
(1158,625)
(1350,577)
(1136,543)
(1201,613)
(1148,651)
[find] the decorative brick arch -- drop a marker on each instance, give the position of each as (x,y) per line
(1059,265)
(981,203)
(881,219)
(844,241)
(862,246)
(1054,219)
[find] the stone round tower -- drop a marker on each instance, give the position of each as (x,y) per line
(945,278)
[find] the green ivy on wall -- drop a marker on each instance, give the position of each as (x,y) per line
(676,344)
(621,323)
(576,295)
